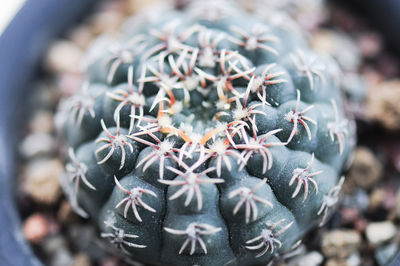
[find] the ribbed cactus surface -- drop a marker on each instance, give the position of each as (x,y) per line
(206,136)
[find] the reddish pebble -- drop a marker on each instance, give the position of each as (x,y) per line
(349,215)
(370,44)
(360,225)
(110,261)
(390,198)
(35,228)
(69,83)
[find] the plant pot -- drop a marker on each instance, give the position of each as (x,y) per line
(21,47)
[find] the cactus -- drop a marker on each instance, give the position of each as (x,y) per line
(205,136)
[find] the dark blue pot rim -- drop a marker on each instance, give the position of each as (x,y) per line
(21,47)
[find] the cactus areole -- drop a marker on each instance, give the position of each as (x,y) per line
(205,136)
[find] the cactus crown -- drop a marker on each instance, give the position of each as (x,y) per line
(205,136)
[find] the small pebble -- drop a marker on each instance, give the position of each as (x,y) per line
(37,144)
(366,169)
(376,198)
(55,249)
(81,260)
(62,257)
(382,104)
(41,180)
(340,243)
(65,213)
(45,96)
(110,261)
(349,214)
(354,259)
(313,258)
(335,262)
(380,232)
(35,228)
(64,56)
(42,122)
(69,83)
(370,44)
(53,243)
(81,36)
(138,5)
(360,224)
(390,197)
(119,6)
(106,21)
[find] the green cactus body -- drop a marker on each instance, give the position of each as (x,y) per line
(206,137)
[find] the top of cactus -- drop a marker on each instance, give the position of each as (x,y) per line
(200,121)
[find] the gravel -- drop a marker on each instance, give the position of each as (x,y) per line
(380,232)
